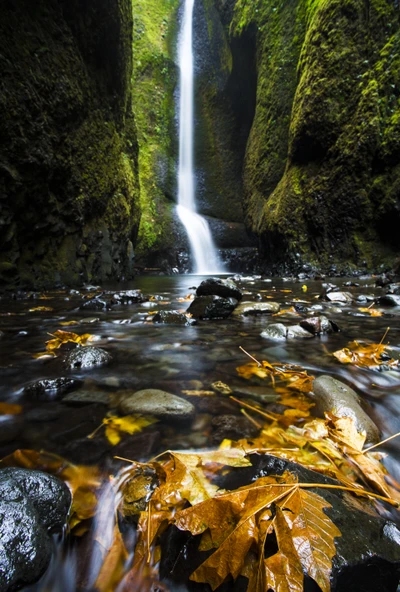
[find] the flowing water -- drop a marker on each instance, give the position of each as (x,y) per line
(202,246)
(175,359)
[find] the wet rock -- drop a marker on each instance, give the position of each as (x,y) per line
(95,305)
(156,402)
(218,287)
(297,332)
(216,405)
(389,300)
(126,297)
(85,397)
(50,388)
(87,357)
(368,551)
(212,307)
(32,504)
(393,289)
(275,331)
(332,395)
(43,414)
(10,427)
(318,325)
(383,280)
(232,427)
(172,317)
(339,297)
(256,308)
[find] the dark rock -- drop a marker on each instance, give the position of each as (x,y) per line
(389,300)
(256,308)
(218,287)
(232,427)
(32,504)
(317,325)
(87,357)
(368,552)
(275,331)
(86,397)
(50,388)
(212,307)
(393,289)
(43,414)
(216,405)
(332,395)
(172,317)
(383,280)
(155,402)
(95,305)
(129,297)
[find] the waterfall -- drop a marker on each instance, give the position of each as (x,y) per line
(203,250)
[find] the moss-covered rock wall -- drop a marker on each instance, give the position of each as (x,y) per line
(69,191)
(321,170)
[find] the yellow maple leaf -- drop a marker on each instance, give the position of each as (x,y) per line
(130,424)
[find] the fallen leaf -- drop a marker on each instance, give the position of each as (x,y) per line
(41,309)
(372,311)
(60,337)
(129,424)
(10,409)
(113,566)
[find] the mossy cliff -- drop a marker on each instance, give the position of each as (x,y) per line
(321,171)
(68,151)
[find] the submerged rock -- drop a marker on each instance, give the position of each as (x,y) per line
(155,402)
(172,317)
(85,397)
(232,427)
(256,308)
(87,357)
(50,388)
(32,504)
(331,395)
(389,300)
(212,307)
(218,287)
(367,552)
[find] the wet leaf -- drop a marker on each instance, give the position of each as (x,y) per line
(196,393)
(372,311)
(113,566)
(129,424)
(69,323)
(10,409)
(41,309)
(364,355)
(60,337)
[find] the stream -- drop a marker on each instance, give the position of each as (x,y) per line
(176,359)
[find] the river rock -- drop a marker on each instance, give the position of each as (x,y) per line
(87,357)
(126,297)
(86,397)
(172,317)
(50,388)
(368,552)
(156,402)
(389,300)
(212,307)
(340,297)
(318,325)
(331,395)
(276,331)
(32,504)
(256,308)
(218,287)
(297,332)
(394,288)
(95,305)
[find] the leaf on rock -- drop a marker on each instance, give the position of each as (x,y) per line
(313,533)
(60,337)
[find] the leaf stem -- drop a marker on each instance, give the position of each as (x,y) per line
(380,443)
(271,417)
(251,357)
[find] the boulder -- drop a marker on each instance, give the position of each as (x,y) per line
(87,357)
(275,331)
(155,402)
(218,287)
(32,505)
(172,317)
(389,300)
(256,308)
(212,307)
(339,297)
(368,552)
(50,388)
(331,395)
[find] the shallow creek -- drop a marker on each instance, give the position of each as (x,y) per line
(175,359)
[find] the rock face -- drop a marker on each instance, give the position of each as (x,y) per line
(368,551)
(334,396)
(68,149)
(212,307)
(156,402)
(32,504)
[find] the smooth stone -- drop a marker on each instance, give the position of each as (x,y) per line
(156,402)
(256,308)
(317,325)
(172,317)
(212,307)
(275,331)
(86,397)
(343,297)
(297,332)
(50,388)
(331,395)
(219,287)
(389,300)
(87,357)
(32,505)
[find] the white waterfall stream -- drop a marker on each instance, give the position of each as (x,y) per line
(203,250)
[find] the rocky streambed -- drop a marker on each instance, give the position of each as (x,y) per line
(169,348)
